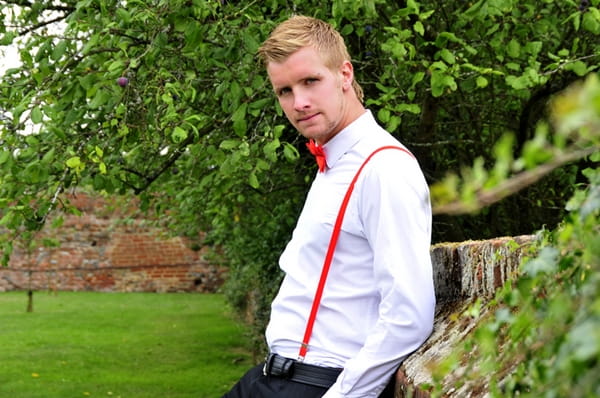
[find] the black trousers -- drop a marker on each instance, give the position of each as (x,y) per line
(254,384)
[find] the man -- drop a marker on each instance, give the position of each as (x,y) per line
(377,303)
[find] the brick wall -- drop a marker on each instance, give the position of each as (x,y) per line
(106,249)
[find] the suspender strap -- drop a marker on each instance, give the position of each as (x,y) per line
(330,250)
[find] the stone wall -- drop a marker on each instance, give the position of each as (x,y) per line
(105,249)
(464,273)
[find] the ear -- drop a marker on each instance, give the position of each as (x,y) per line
(347,73)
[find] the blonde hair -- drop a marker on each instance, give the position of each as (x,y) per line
(301,31)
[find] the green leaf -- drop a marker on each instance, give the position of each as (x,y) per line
(278,131)
(546,262)
(100,99)
(7,38)
(34,174)
(516,82)
(253,180)
(36,115)
(534,47)
(4,156)
(411,108)
(260,104)
(383,115)
(123,15)
(57,222)
(513,49)
(26,57)
(74,162)
(513,66)
(32,141)
(59,50)
(7,219)
(584,340)
(240,127)
(290,152)
(178,135)
(393,124)
(440,81)
(576,21)
(591,21)
(251,43)
(447,56)
(49,156)
(116,65)
(270,150)
(347,29)
(167,98)
(416,78)
(578,67)
(229,144)
(239,122)
(481,82)
(418,27)
(92,41)
(444,37)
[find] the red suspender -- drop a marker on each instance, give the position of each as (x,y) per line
(330,250)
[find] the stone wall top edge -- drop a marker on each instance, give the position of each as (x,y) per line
(500,239)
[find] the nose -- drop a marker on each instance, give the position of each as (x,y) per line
(301,100)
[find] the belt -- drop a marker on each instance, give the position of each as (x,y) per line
(320,376)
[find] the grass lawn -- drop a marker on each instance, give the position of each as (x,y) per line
(119,345)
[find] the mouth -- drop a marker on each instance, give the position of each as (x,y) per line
(307,118)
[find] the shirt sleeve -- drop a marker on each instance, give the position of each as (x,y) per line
(394,207)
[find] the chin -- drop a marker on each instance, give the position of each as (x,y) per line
(313,132)
(309,134)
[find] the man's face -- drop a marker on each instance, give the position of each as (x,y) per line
(311,94)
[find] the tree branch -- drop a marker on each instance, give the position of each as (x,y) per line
(50,7)
(511,186)
(149,179)
(136,40)
(166,165)
(41,24)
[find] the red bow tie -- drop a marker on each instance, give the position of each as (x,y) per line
(318,153)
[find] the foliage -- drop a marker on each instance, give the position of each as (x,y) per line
(455,78)
(79,344)
(190,131)
(543,337)
(165,100)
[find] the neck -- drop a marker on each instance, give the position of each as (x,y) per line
(354,111)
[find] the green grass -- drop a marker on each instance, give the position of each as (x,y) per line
(119,345)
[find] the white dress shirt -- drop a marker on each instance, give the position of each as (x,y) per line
(378,301)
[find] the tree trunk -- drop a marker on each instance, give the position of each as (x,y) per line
(30,301)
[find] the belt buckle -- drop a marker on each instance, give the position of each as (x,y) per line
(276,365)
(267,367)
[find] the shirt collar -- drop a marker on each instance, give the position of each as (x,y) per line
(347,138)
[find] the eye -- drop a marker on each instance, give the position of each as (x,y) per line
(310,81)
(283,91)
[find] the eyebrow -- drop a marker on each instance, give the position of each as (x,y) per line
(316,75)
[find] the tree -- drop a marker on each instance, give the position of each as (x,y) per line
(165,100)
(540,335)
